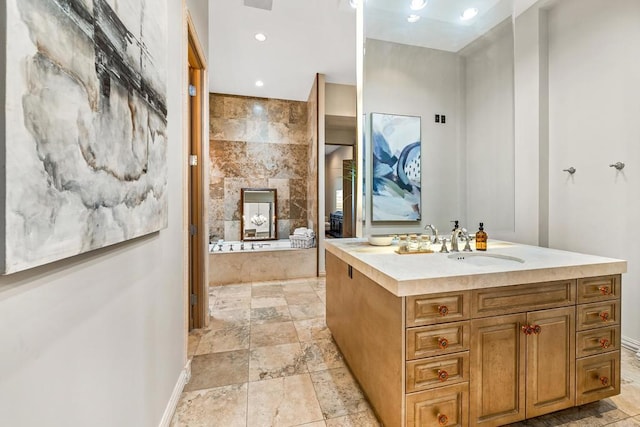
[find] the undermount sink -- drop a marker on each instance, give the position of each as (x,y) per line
(485,259)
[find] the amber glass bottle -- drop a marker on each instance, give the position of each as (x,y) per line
(481,239)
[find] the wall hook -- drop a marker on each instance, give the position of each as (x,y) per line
(617,165)
(571,170)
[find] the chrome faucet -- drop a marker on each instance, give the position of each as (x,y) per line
(434,231)
(455,235)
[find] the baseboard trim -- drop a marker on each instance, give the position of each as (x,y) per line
(632,345)
(183,379)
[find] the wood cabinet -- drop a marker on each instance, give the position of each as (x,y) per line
(598,338)
(483,357)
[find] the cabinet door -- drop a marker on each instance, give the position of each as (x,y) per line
(497,370)
(551,352)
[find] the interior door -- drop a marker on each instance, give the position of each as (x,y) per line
(197,300)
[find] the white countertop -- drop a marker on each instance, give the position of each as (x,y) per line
(416,274)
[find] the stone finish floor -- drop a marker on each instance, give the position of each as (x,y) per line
(267,359)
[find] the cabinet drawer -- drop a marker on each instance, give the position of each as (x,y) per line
(592,289)
(597,341)
(522,298)
(436,340)
(430,309)
(425,374)
(597,377)
(445,406)
(598,314)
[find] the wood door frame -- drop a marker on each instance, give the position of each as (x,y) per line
(197,299)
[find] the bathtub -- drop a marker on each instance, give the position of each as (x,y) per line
(268,260)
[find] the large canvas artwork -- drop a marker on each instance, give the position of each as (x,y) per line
(85,145)
(396,167)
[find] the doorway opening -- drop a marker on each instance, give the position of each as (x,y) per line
(340,177)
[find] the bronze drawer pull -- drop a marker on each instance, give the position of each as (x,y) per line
(443,310)
(605,290)
(443,375)
(604,343)
(604,381)
(604,316)
(443,420)
(443,343)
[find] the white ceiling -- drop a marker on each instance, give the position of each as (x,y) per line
(305,37)
(439,27)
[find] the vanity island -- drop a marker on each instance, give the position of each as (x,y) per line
(468,339)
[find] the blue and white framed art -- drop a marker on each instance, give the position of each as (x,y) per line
(396,167)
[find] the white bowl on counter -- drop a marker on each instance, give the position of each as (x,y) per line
(380,239)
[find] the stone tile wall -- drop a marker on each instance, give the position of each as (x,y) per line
(257,143)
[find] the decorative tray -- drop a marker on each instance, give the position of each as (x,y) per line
(420,251)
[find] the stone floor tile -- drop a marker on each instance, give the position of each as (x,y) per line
(219,369)
(229,319)
(302,298)
(232,302)
(239,290)
(312,329)
(628,400)
(270,315)
(361,419)
(309,311)
(321,355)
(314,424)
(276,361)
(220,340)
(270,334)
(283,402)
(193,340)
(629,422)
(270,290)
(338,393)
(261,302)
(218,407)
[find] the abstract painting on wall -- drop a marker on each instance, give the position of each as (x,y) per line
(85,146)
(396,167)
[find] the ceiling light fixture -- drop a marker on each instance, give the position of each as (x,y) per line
(259,83)
(413,18)
(260,37)
(469,14)
(418,4)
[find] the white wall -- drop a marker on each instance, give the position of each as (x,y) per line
(199,10)
(594,90)
(576,93)
(415,81)
(340,100)
(99,339)
(488,130)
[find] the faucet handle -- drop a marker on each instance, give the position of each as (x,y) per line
(443,249)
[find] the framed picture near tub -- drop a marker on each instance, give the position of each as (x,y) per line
(396,168)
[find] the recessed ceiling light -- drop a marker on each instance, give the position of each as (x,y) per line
(260,37)
(418,4)
(413,18)
(259,83)
(469,14)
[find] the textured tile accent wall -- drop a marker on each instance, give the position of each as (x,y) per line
(257,143)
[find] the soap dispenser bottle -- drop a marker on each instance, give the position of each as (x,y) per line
(481,239)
